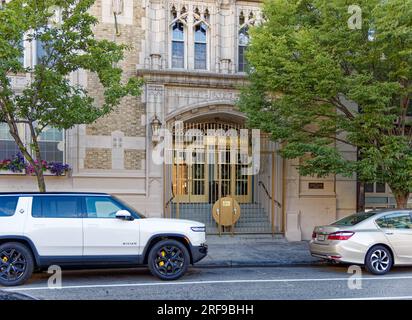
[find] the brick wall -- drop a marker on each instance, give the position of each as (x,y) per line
(98,158)
(127,117)
(133,159)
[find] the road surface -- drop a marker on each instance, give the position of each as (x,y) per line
(311,282)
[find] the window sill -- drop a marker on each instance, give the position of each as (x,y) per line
(11,173)
(46,174)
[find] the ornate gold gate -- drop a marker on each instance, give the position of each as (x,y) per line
(211,173)
(203,169)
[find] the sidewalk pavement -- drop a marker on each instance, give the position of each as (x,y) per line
(255,251)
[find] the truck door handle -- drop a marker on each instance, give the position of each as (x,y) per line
(92,225)
(389,233)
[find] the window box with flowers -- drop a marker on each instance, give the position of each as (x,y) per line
(17,165)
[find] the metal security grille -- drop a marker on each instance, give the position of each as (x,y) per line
(203,170)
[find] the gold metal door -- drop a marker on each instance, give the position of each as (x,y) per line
(210,177)
(190,181)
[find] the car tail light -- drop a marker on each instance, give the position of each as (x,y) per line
(341,235)
(313,235)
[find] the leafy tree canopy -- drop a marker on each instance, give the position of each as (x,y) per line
(68,43)
(318,83)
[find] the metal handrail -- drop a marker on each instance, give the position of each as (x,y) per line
(260,183)
(171,199)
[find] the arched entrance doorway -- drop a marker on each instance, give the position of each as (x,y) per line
(211,161)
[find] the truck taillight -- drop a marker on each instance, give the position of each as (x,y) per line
(341,235)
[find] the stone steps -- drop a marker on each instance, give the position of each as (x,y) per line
(253,217)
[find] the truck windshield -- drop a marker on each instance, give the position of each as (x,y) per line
(354,219)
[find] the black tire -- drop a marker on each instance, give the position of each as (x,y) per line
(16,264)
(378,260)
(168,259)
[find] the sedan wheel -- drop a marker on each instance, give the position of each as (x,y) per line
(379,260)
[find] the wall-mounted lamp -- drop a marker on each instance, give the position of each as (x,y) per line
(155,125)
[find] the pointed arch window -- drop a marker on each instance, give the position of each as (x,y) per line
(189,37)
(178,45)
(243,41)
(200,46)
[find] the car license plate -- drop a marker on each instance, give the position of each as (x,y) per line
(321,237)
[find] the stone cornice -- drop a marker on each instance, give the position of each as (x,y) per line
(192,78)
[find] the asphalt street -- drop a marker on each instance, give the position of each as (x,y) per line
(311,282)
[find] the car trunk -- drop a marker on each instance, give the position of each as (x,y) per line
(322,233)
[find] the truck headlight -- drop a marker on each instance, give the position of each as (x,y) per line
(198,229)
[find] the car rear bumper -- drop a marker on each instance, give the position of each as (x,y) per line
(199,252)
(338,251)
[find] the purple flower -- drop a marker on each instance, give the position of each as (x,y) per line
(17,163)
(58,168)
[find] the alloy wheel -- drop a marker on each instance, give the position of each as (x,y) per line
(380,260)
(169,260)
(13,264)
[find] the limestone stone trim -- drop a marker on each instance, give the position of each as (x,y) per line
(19,82)
(117,149)
(101,173)
(138,143)
(209,110)
(189,78)
(186,99)
(293,228)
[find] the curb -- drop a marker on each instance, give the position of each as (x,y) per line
(4,295)
(260,264)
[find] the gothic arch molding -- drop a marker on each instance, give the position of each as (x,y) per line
(225,110)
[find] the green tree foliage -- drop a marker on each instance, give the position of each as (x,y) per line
(50,99)
(317,83)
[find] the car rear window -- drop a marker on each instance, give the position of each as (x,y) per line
(8,205)
(354,219)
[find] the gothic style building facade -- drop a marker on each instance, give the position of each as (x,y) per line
(191,55)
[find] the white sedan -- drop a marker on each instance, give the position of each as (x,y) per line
(376,239)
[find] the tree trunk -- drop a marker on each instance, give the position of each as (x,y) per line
(360,196)
(38,167)
(40,180)
(401,198)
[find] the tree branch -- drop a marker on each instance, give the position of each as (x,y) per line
(339,105)
(316,134)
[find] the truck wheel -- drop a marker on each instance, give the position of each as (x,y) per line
(168,259)
(16,264)
(378,260)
